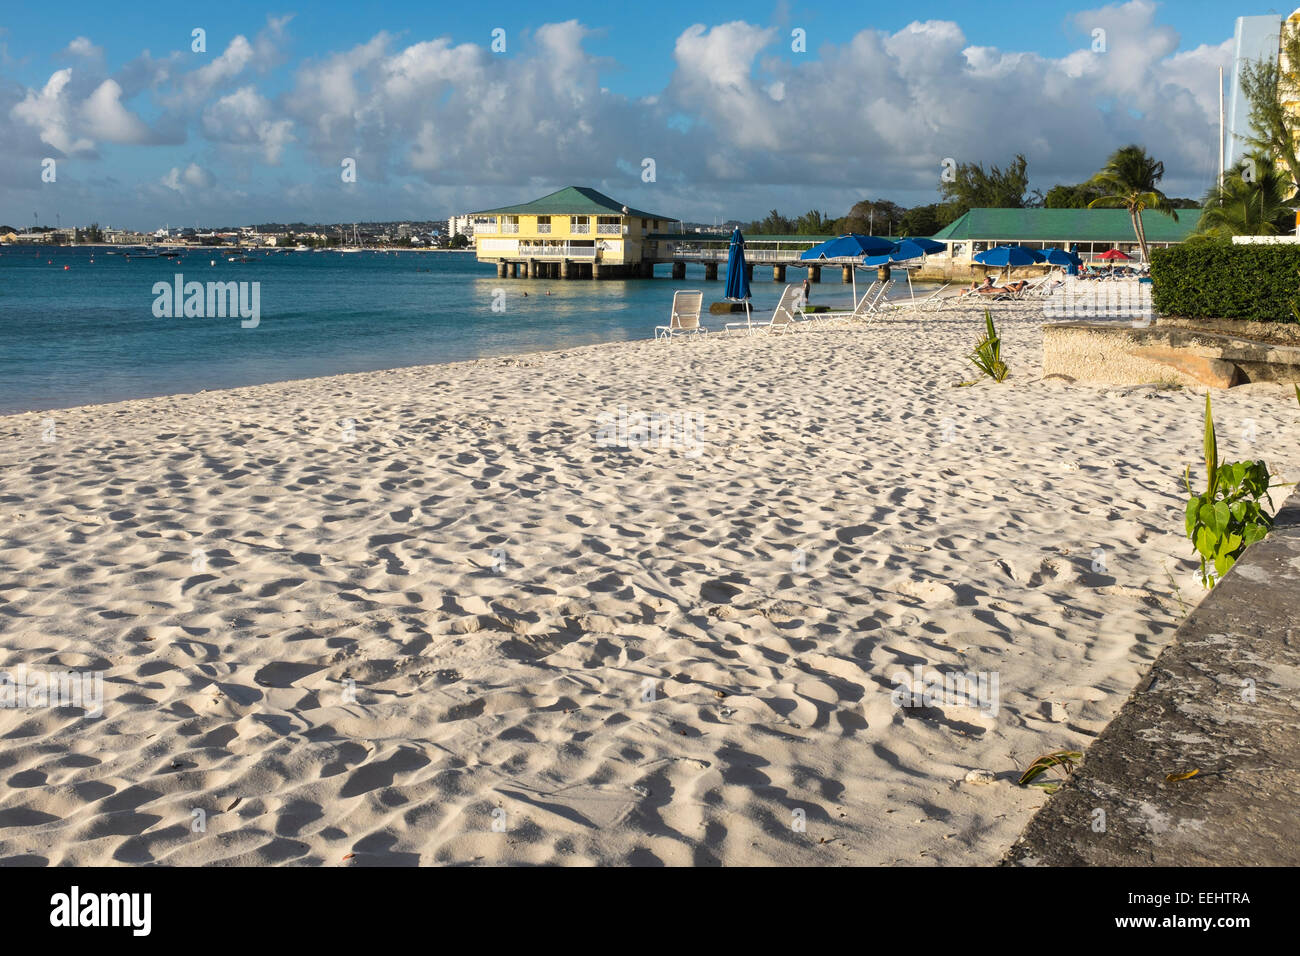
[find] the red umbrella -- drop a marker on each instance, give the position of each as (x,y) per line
(1114,254)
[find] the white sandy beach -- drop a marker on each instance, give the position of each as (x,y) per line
(462,630)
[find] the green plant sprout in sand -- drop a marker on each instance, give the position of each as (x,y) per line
(1062,761)
(1228,517)
(987,356)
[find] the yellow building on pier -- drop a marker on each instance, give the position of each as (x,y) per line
(576,232)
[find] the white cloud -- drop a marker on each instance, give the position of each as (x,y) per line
(192,176)
(226,67)
(50,113)
(107,119)
(81,46)
(244,118)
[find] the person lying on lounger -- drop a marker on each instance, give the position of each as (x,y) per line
(988,288)
(978,289)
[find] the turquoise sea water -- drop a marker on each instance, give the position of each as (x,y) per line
(77,326)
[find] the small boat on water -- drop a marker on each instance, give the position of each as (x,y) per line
(301,248)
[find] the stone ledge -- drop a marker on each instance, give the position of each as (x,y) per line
(1111,353)
(1193,711)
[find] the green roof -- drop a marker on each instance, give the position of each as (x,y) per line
(1065,225)
(571,201)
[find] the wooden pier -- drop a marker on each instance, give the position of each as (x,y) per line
(675,250)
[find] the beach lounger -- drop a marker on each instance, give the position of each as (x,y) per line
(935,300)
(872,303)
(685,318)
(783,318)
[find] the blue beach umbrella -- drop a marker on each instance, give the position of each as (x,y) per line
(1008,257)
(928,246)
(851,246)
(1059,257)
(904,250)
(737,283)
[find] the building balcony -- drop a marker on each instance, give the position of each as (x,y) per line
(581,229)
(486,228)
(508,227)
(543,228)
(608,229)
(555,251)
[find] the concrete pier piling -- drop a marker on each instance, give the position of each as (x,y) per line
(778,273)
(814,273)
(847,274)
(501,268)
(514,270)
(564,269)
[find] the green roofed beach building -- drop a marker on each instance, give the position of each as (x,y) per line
(573,233)
(1093,230)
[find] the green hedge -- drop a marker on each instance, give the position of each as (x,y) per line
(1212,278)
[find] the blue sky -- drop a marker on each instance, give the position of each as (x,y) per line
(144,131)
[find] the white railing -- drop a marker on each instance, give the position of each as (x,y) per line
(510,227)
(485,228)
(751,255)
(556,251)
(543,228)
(607,229)
(580,228)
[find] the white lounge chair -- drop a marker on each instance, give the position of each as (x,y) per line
(872,303)
(783,317)
(933,302)
(685,318)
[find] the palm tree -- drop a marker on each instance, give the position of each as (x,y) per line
(1128,181)
(1258,205)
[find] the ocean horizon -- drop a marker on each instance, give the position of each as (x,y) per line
(82,325)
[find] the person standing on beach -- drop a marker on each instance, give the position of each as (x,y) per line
(807,290)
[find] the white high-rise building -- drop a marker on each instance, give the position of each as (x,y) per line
(1255,38)
(460,226)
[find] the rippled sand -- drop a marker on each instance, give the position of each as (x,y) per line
(428,616)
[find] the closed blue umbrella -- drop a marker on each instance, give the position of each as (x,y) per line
(737,281)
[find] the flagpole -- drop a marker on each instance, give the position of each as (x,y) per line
(1222,141)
